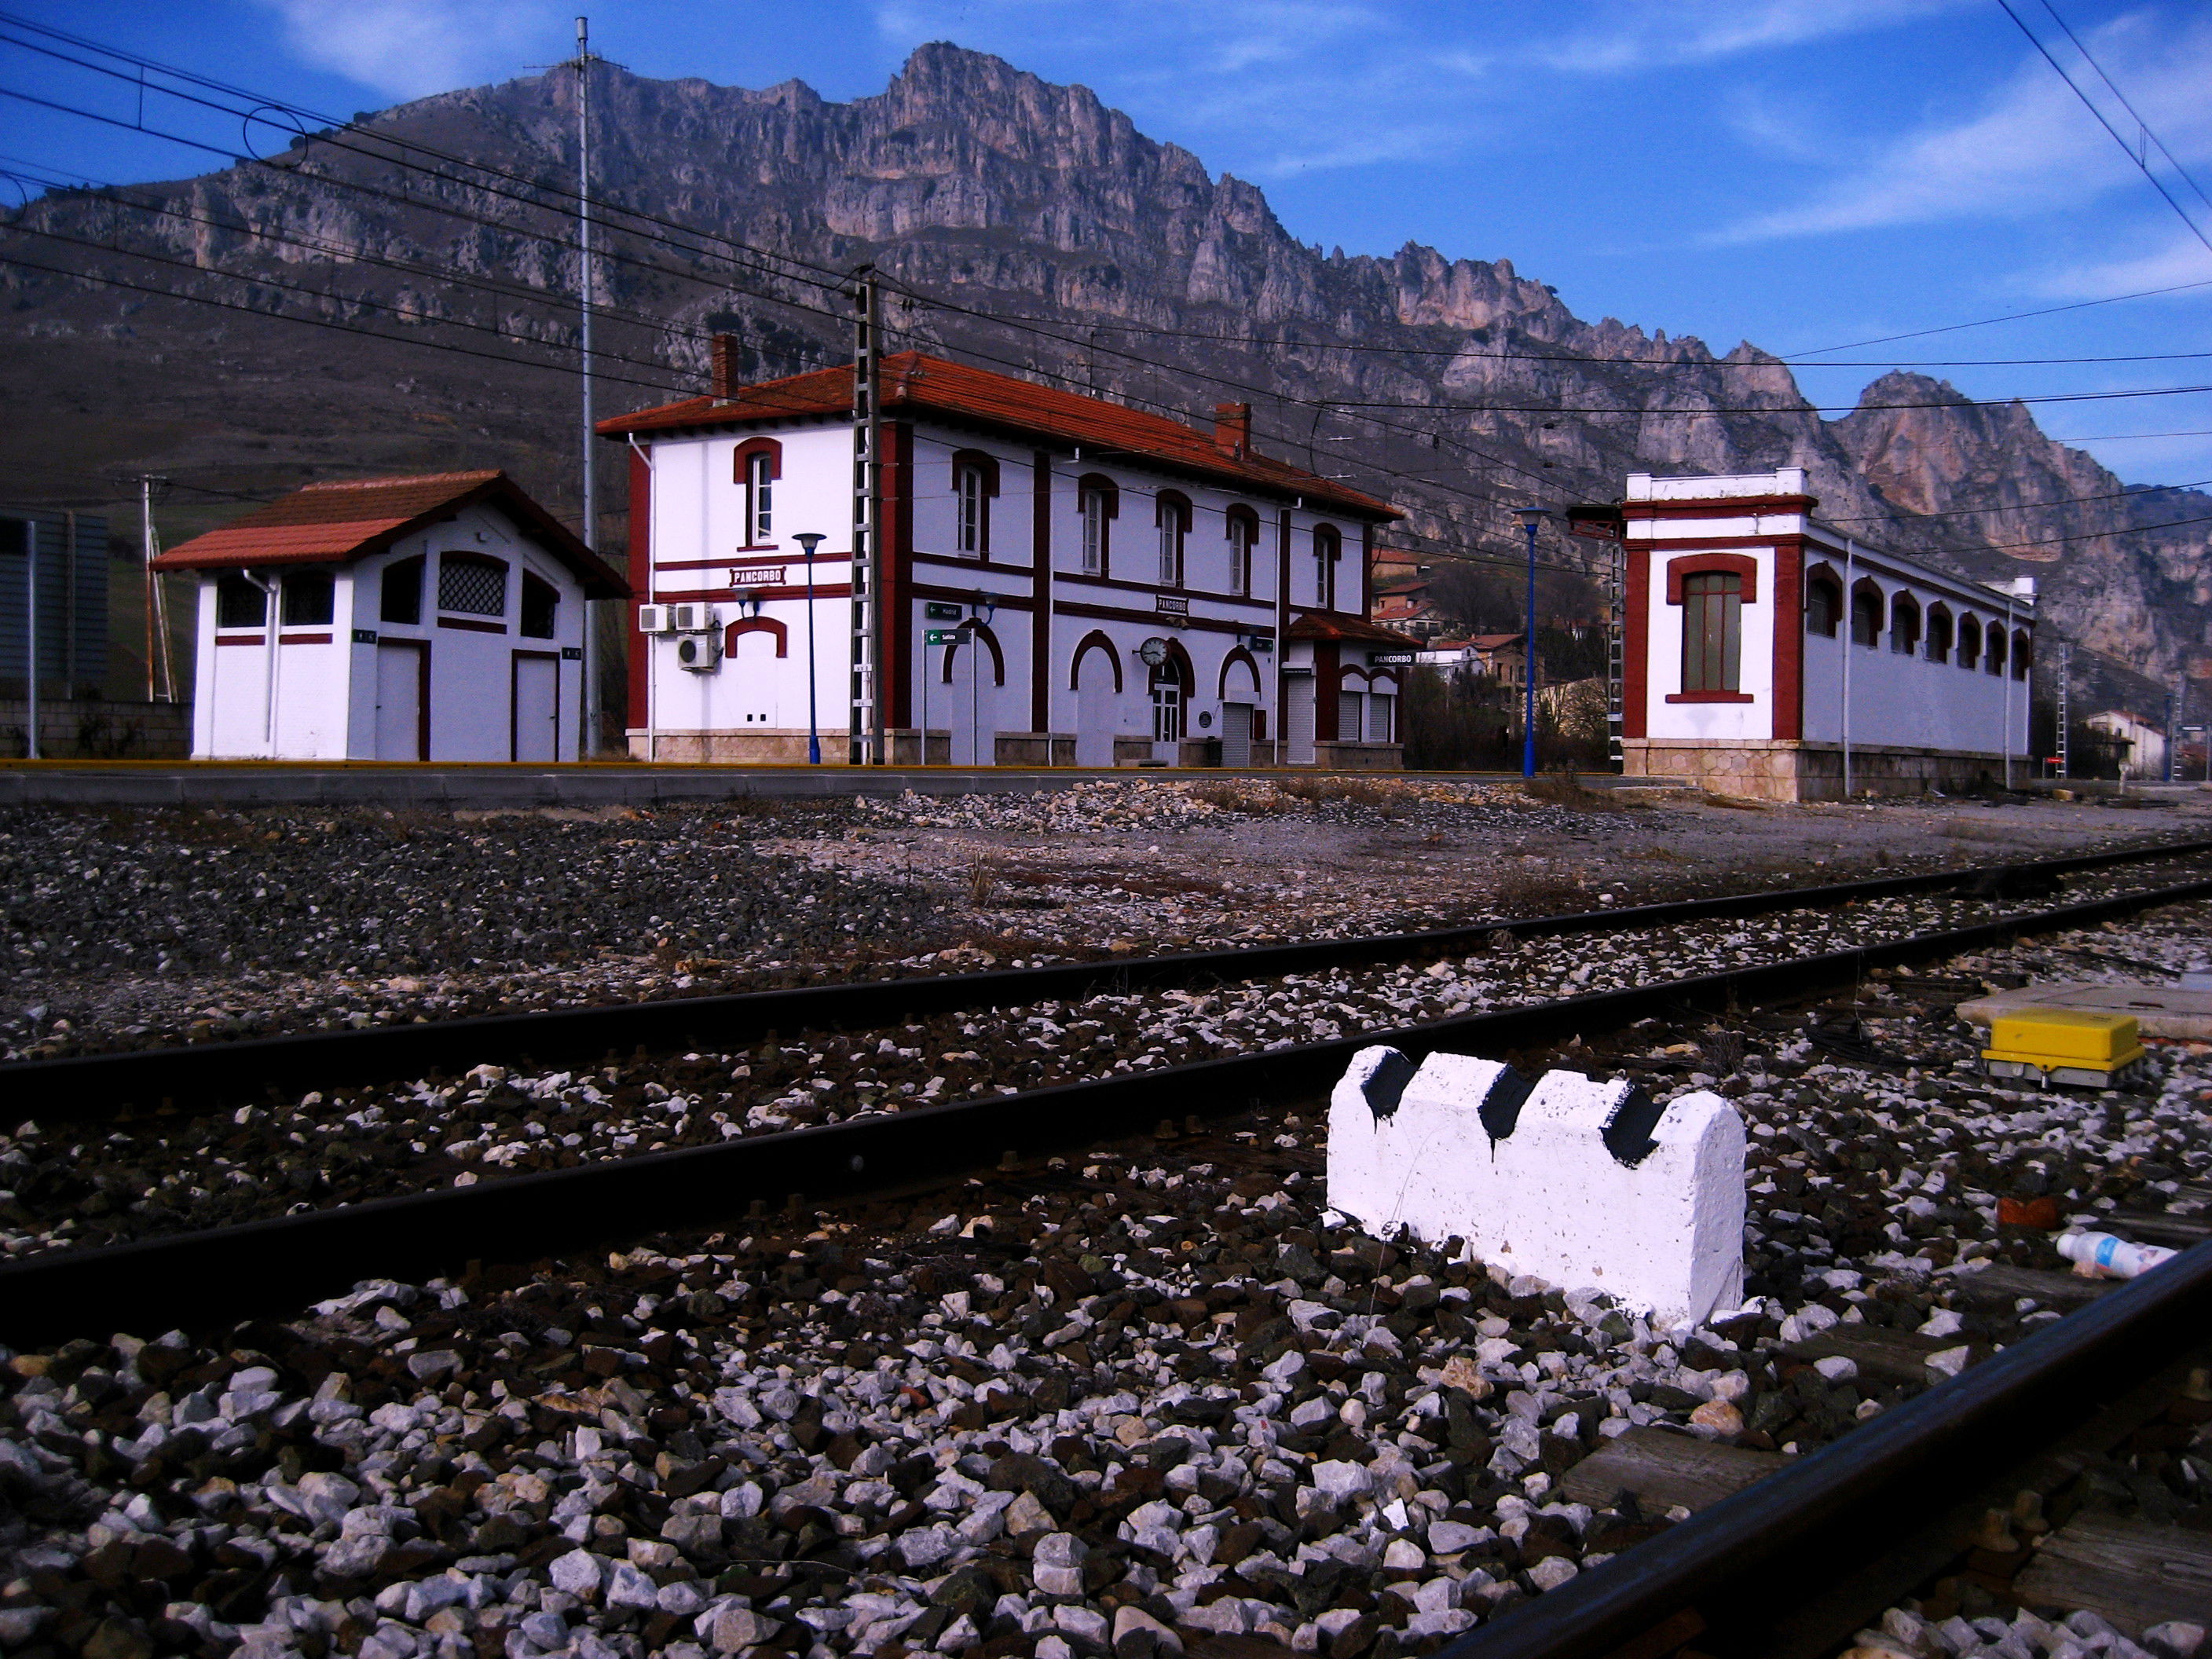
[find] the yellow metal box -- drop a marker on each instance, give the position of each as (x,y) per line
(2063,1045)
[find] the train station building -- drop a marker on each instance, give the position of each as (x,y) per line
(1065,582)
(1769,655)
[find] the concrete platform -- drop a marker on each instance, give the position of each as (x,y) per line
(613,783)
(2160,1011)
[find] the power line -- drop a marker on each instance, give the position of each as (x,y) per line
(1797,358)
(2090,104)
(2171,159)
(1770,409)
(2121,437)
(2019,506)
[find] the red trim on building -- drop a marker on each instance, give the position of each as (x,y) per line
(1074,579)
(1240,655)
(1041,579)
(1699,564)
(242,639)
(468,627)
(1790,638)
(895,556)
(755,625)
(744,453)
(1636,645)
(1329,682)
(1710,696)
(306,639)
(1715,506)
(789,591)
(640,584)
(1169,625)
(1095,639)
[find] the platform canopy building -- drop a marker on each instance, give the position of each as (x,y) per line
(1767,654)
(1065,580)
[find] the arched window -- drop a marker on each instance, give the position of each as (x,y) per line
(308,598)
(1173,512)
(759,464)
(1866,615)
(1993,649)
(541,607)
(2023,653)
(1712,630)
(472,585)
(1969,642)
(1243,532)
(975,481)
(1098,502)
(238,603)
(1939,633)
(1904,625)
(760,500)
(1824,604)
(401,600)
(1328,550)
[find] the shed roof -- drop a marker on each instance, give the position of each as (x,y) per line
(924,385)
(1335,625)
(334,523)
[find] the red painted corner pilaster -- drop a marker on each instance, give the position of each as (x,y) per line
(1789,639)
(1636,645)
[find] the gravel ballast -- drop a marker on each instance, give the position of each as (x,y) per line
(1124,1400)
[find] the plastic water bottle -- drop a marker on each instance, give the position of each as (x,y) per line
(2100,1256)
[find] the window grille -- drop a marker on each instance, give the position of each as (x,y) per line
(240,603)
(477,587)
(307,599)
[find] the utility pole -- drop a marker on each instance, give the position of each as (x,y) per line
(31,638)
(867,710)
(1616,648)
(2065,702)
(2175,702)
(160,651)
(585,282)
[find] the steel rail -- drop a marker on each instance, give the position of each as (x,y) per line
(1733,1579)
(85,1087)
(200,1278)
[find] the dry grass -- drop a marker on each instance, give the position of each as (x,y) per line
(1564,789)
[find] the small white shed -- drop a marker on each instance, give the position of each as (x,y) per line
(437,617)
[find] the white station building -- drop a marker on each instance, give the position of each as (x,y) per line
(1065,582)
(1765,654)
(437,617)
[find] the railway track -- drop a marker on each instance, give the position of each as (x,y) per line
(1206,1143)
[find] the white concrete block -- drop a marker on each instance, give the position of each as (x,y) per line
(1572,1181)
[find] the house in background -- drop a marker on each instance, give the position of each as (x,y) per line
(437,617)
(1762,648)
(2141,743)
(1066,580)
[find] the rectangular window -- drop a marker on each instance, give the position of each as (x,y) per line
(1239,556)
(541,607)
(1094,532)
(1712,631)
(240,603)
(968,502)
(477,587)
(760,498)
(307,599)
(1170,549)
(402,598)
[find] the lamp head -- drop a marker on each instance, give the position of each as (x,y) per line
(1530,517)
(809,540)
(985,605)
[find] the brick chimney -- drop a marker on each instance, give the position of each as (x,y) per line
(1232,428)
(724,374)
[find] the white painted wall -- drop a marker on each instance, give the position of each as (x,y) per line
(1721,721)
(1410,1149)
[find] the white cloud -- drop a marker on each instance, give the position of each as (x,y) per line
(413,48)
(1641,34)
(2182,259)
(2032,149)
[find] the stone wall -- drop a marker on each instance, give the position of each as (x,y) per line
(1786,771)
(91,728)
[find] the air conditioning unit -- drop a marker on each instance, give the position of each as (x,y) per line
(694,618)
(653,619)
(699,653)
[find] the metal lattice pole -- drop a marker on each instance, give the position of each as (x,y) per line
(867,746)
(1616,652)
(2175,702)
(2065,706)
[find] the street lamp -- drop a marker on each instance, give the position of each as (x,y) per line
(1530,517)
(810,540)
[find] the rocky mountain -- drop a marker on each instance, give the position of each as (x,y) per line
(1031,228)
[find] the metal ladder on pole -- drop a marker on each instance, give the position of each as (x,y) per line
(866,746)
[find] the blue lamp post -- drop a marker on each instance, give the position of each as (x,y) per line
(1530,517)
(810,540)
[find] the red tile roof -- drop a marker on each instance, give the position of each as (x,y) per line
(333,523)
(1334,625)
(927,385)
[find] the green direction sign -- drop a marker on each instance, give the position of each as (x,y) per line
(939,611)
(940,636)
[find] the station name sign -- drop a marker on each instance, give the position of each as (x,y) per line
(757,575)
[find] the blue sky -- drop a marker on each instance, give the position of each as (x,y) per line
(1801,173)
